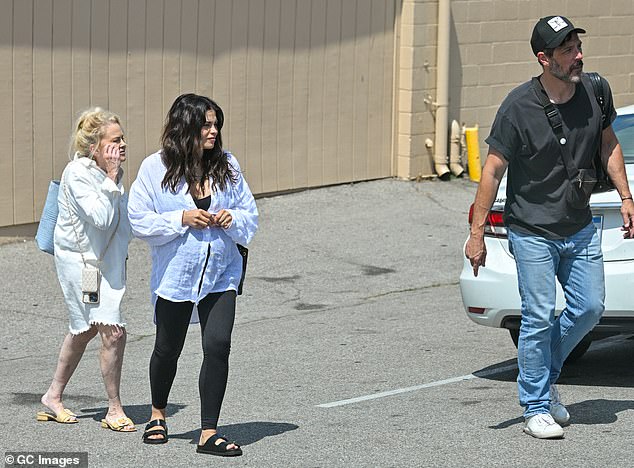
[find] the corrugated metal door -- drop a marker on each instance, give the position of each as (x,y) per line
(306,85)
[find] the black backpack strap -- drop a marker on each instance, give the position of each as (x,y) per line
(598,86)
(554,119)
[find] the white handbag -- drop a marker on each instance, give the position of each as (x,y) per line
(90,279)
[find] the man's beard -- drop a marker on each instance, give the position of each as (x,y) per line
(573,75)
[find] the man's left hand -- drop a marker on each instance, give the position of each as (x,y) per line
(627,211)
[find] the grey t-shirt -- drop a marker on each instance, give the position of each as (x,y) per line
(537,179)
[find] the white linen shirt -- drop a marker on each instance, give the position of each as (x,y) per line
(179,253)
(91,209)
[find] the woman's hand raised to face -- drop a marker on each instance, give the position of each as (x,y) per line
(113,159)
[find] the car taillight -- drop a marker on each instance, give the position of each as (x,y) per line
(494,226)
(476,310)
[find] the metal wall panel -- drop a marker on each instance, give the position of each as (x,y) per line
(23,167)
(6,115)
(42,101)
(306,85)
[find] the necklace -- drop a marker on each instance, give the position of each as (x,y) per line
(562,99)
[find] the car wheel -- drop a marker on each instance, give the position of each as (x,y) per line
(576,353)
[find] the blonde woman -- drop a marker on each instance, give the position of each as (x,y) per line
(92,233)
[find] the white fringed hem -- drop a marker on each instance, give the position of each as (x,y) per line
(95,322)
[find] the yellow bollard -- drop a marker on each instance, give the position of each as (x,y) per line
(473,153)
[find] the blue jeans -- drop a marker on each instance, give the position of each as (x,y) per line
(545,341)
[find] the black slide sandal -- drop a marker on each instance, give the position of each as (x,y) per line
(210,447)
(149,432)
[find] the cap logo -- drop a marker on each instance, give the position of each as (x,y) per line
(557,23)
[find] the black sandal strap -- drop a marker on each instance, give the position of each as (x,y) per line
(225,442)
(219,445)
(157,422)
(150,432)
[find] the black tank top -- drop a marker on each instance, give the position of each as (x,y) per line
(203,203)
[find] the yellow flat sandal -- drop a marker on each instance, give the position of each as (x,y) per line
(65,416)
(122,424)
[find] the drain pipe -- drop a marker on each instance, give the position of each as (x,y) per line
(455,149)
(442,91)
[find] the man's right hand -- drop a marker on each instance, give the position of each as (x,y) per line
(492,173)
(476,252)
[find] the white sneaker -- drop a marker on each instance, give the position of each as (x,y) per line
(557,409)
(543,426)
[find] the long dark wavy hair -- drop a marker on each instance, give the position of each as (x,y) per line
(182,147)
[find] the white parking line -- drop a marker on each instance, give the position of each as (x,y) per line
(374,396)
(602,344)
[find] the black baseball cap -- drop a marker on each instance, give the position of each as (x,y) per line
(550,32)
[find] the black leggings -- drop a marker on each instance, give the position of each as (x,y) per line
(217,312)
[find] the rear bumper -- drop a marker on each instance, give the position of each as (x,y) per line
(606,326)
(495,290)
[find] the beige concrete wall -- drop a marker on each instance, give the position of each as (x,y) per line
(490,54)
(307,86)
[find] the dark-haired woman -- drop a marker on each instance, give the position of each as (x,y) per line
(192,205)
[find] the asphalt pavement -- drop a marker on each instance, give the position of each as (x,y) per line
(351,349)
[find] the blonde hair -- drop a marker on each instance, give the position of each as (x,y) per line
(90,129)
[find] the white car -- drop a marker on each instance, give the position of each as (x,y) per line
(492,298)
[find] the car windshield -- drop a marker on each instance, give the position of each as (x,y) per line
(624,128)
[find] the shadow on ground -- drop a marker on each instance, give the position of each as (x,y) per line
(589,412)
(243,433)
(83,406)
(607,363)
(140,414)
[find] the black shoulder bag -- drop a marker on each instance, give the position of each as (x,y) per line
(582,181)
(244,253)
